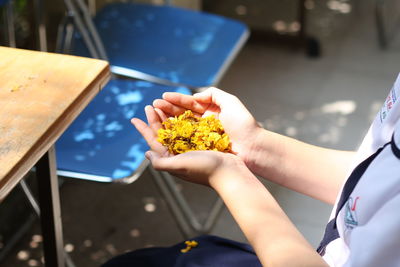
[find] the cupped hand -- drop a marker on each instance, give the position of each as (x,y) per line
(202,167)
(237,121)
(208,168)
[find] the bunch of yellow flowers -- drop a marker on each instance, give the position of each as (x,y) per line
(188,133)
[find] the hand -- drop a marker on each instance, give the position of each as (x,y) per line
(202,167)
(210,168)
(237,121)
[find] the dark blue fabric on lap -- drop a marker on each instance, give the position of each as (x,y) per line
(212,251)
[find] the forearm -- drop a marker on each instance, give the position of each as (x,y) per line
(311,170)
(274,238)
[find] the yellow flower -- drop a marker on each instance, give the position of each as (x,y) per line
(189,245)
(187,133)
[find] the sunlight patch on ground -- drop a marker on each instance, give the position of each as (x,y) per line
(325,124)
(344,107)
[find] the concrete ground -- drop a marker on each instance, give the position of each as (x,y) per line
(327,101)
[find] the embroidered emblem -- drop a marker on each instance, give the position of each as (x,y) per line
(387,106)
(350,217)
(189,245)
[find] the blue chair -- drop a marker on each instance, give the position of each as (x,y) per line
(159,43)
(149,45)
(101,145)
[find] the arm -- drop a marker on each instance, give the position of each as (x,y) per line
(311,170)
(307,169)
(274,238)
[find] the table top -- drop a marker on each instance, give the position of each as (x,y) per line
(40,95)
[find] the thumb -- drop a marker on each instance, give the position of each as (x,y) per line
(217,97)
(161,163)
(150,155)
(204,96)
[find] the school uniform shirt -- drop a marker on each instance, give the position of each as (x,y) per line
(364,229)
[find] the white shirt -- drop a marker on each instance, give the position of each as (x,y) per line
(369,222)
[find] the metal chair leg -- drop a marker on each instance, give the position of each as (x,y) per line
(175,209)
(213,215)
(182,202)
(33,202)
(40,23)
(382,35)
(184,215)
(65,34)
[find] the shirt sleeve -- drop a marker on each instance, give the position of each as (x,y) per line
(377,243)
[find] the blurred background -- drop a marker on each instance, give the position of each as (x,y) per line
(325,91)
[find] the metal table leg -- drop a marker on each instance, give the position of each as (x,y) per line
(49,201)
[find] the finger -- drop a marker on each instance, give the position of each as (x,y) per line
(174,164)
(168,108)
(171,110)
(161,114)
(156,160)
(149,135)
(217,97)
(153,119)
(185,101)
(204,96)
(214,112)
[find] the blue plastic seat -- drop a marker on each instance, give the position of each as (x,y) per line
(101,144)
(170,43)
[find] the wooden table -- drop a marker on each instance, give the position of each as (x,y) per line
(40,95)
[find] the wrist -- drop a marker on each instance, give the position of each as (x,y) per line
(231,171)
(258,150)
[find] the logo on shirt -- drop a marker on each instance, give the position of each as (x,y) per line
(387,106)
(350,217)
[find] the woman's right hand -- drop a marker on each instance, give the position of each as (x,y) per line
(241,127)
